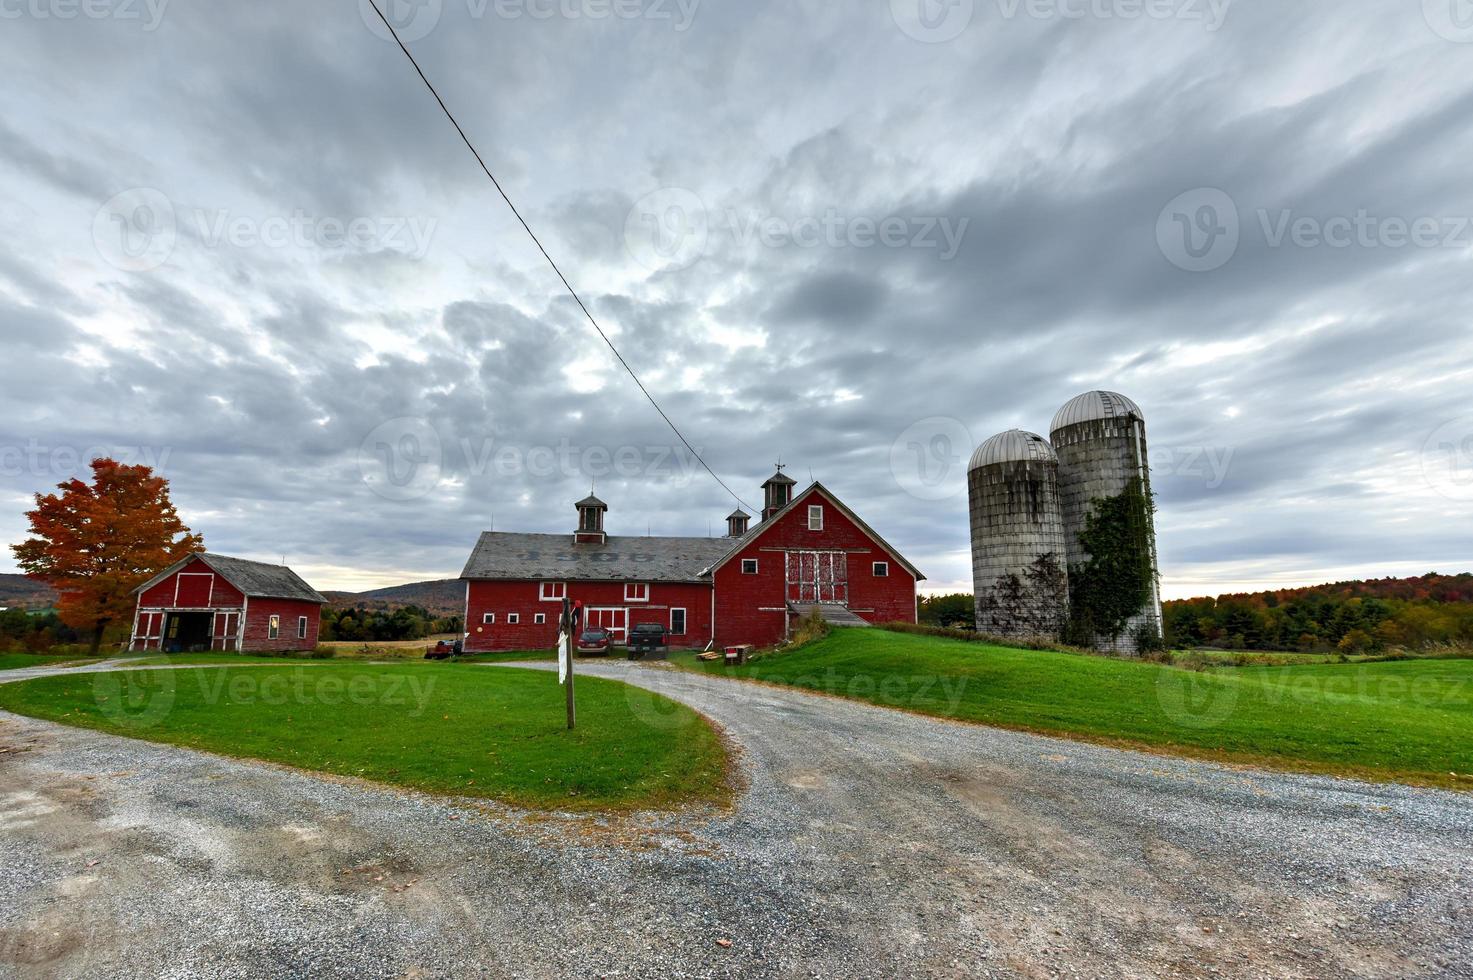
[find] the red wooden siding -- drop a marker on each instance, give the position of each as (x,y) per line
(258,624)
(193,590)
(523,599)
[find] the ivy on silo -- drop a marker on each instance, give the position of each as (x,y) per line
(1114,584)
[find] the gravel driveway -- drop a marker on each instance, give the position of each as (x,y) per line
(867,843)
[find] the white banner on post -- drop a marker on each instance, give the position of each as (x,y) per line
(564,653)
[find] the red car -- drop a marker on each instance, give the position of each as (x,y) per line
(595,641)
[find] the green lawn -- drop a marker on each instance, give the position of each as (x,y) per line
(15,661)
(1408,720)
(463,729)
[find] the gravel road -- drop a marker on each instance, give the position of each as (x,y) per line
(867,843)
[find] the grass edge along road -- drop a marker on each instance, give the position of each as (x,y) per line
(496,734)
(1408,721)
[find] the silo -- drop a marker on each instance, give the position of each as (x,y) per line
(1105,475)
(1018,571)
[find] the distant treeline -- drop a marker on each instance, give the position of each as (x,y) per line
(1418,613)
(21,631)
(367,624)
(1352,617)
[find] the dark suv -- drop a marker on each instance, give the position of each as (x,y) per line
(647,640)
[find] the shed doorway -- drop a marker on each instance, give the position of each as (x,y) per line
(187,632)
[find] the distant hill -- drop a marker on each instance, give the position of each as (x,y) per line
(17,591)
(1431,587)
(441,597)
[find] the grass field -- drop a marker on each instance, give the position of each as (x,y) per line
(1405,720)
(16,661)
(462,729)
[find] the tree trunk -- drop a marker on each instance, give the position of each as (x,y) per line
(97,636)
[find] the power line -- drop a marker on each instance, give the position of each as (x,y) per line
(536,241)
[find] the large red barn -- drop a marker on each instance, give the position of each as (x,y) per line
(215,602)
(748,587)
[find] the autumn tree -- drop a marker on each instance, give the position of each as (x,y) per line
(95,543)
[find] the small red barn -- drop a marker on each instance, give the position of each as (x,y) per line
(748,587)
(215,602)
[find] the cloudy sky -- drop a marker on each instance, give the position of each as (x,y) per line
(242,245)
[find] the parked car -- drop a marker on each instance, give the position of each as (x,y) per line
(443,649)
(595,641)
(648,640)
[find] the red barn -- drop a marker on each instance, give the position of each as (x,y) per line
(214,602)
(809,550)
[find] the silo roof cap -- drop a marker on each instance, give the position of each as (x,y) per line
(1013,446)
(1094,405)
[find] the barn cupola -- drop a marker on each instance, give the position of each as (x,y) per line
(590,521)
(776,492)
(737,522)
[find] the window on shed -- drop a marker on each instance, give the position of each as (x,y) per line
(301,627)
(882,569)
(488,618)
(636,592)
(539,618)
(273,627)
(749,566)
(554,591)
(677,622)
(512,619)
(815,517)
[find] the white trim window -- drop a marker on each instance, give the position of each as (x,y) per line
(539,618)
(273,627)
(488,619)
(749,566)
(815,517)
(677,622)
(881,569)
(636,592)
(553,591)
(301,627)
(513,619)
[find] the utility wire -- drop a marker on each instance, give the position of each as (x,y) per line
(536,241)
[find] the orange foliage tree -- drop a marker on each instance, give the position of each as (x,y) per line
(95,543)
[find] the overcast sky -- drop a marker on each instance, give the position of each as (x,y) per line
(242,245)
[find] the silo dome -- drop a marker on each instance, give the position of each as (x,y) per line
(1094,405)
(1013,446)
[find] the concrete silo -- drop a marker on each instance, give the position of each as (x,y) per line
(1105,492)
(1018,570)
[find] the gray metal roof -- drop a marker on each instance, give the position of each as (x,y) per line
(1013,446)
(1094,405)
(554,557)
(738,513)
(591,501)
(252,578)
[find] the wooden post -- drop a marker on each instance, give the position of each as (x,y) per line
(572,645)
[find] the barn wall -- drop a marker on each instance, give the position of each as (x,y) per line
(749,607)
(162,594)
(522,598)
(258,624)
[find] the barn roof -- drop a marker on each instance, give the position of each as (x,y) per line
(511,555)
(252,578)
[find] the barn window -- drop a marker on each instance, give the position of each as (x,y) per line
(488,618)
(677,622)
(301,627)
(815,517)
(882,569)
(512,619)
(554,591)
(539,618)
(636,592)
(749,566)
(273,628)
